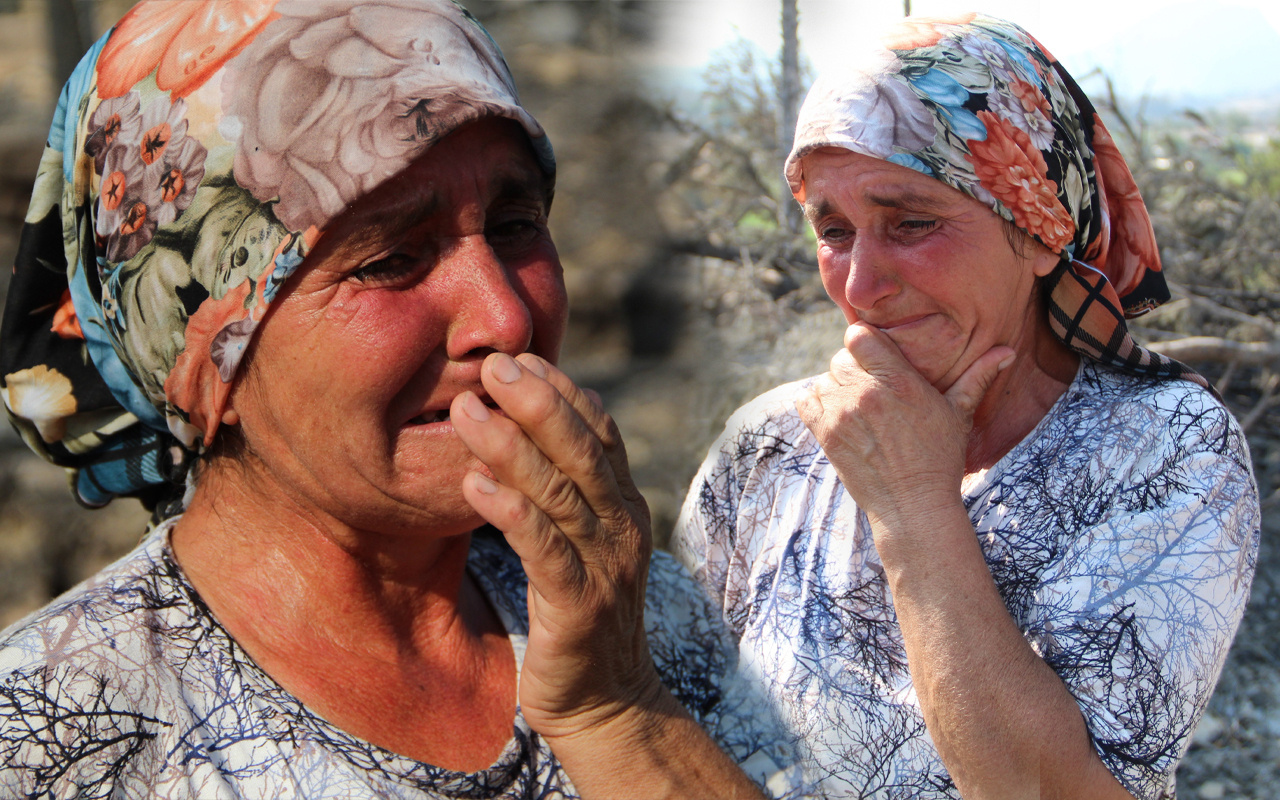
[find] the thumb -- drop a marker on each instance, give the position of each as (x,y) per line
(968,390)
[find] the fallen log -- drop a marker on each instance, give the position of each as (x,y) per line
(1219,350)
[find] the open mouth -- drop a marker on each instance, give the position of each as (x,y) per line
(442,414)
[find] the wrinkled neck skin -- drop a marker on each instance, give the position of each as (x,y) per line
(385,636)
(239,531)
(1023,393)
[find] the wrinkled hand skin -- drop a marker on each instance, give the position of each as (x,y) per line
(897,443)
(565,500)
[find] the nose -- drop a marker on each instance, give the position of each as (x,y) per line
(490,314)
(870,278)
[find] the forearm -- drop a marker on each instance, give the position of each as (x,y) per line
(649,751)
(1003,722)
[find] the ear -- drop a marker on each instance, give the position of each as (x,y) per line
(1044,261)
(230,416)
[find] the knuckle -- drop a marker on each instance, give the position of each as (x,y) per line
(542,404)
(559,496)
(610,436)
(520,512)
(588,451)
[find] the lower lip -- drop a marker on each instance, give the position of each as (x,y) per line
(907,326)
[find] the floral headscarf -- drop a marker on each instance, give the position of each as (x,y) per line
(195,154)
(979,104)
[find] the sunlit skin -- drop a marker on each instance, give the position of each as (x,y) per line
(932,270)
(332,545)
(389,320)
(948,363)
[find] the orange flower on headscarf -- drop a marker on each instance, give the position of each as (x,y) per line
(65,322)
(1010,167)
(194,385)
(188,42)
(916,32)
(1030,97)
(1130,250)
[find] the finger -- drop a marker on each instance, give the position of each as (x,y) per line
(844,368)
(809,406)
(972,385)
(518,463)
(874,351)
(584,401)
(555,427)
(589,407)
(549,558)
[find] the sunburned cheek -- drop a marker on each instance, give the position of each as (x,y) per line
(380,319)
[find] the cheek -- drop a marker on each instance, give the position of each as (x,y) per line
(834,270)
(386,337)
(541,286)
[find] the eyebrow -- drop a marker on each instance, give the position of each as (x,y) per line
(903,199)
(411,207)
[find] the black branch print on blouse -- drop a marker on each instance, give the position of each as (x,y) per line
(1121,533)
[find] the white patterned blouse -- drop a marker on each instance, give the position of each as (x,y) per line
(1122,533)
(127,687)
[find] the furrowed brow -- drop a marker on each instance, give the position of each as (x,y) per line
(408,209)
(524,185)
(816,211)
(907,200)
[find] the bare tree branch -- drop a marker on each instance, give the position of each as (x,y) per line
(1219,350)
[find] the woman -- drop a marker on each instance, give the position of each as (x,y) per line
(999,549)
(271,246)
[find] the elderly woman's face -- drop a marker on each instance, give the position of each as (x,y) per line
(344,404)
(926,264)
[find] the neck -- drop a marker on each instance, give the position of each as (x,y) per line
(383,635)
(293,568)
(1020,397)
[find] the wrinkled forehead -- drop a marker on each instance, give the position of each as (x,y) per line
(833,175)
(484,164)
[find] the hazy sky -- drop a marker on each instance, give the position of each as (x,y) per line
(1082,33)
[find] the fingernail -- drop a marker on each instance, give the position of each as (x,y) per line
(1003,364)
(505,368)
(484,485)
(536,365)
(475,409)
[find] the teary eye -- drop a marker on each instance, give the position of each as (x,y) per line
(514,233)
(389,269)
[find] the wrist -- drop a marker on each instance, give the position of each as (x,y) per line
(632,718)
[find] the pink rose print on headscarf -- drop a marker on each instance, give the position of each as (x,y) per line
(184,43)
(336,97)
(874,118)
(149,167)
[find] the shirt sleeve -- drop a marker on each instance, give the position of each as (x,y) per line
(697,661)
(1138,615)
(734,481)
